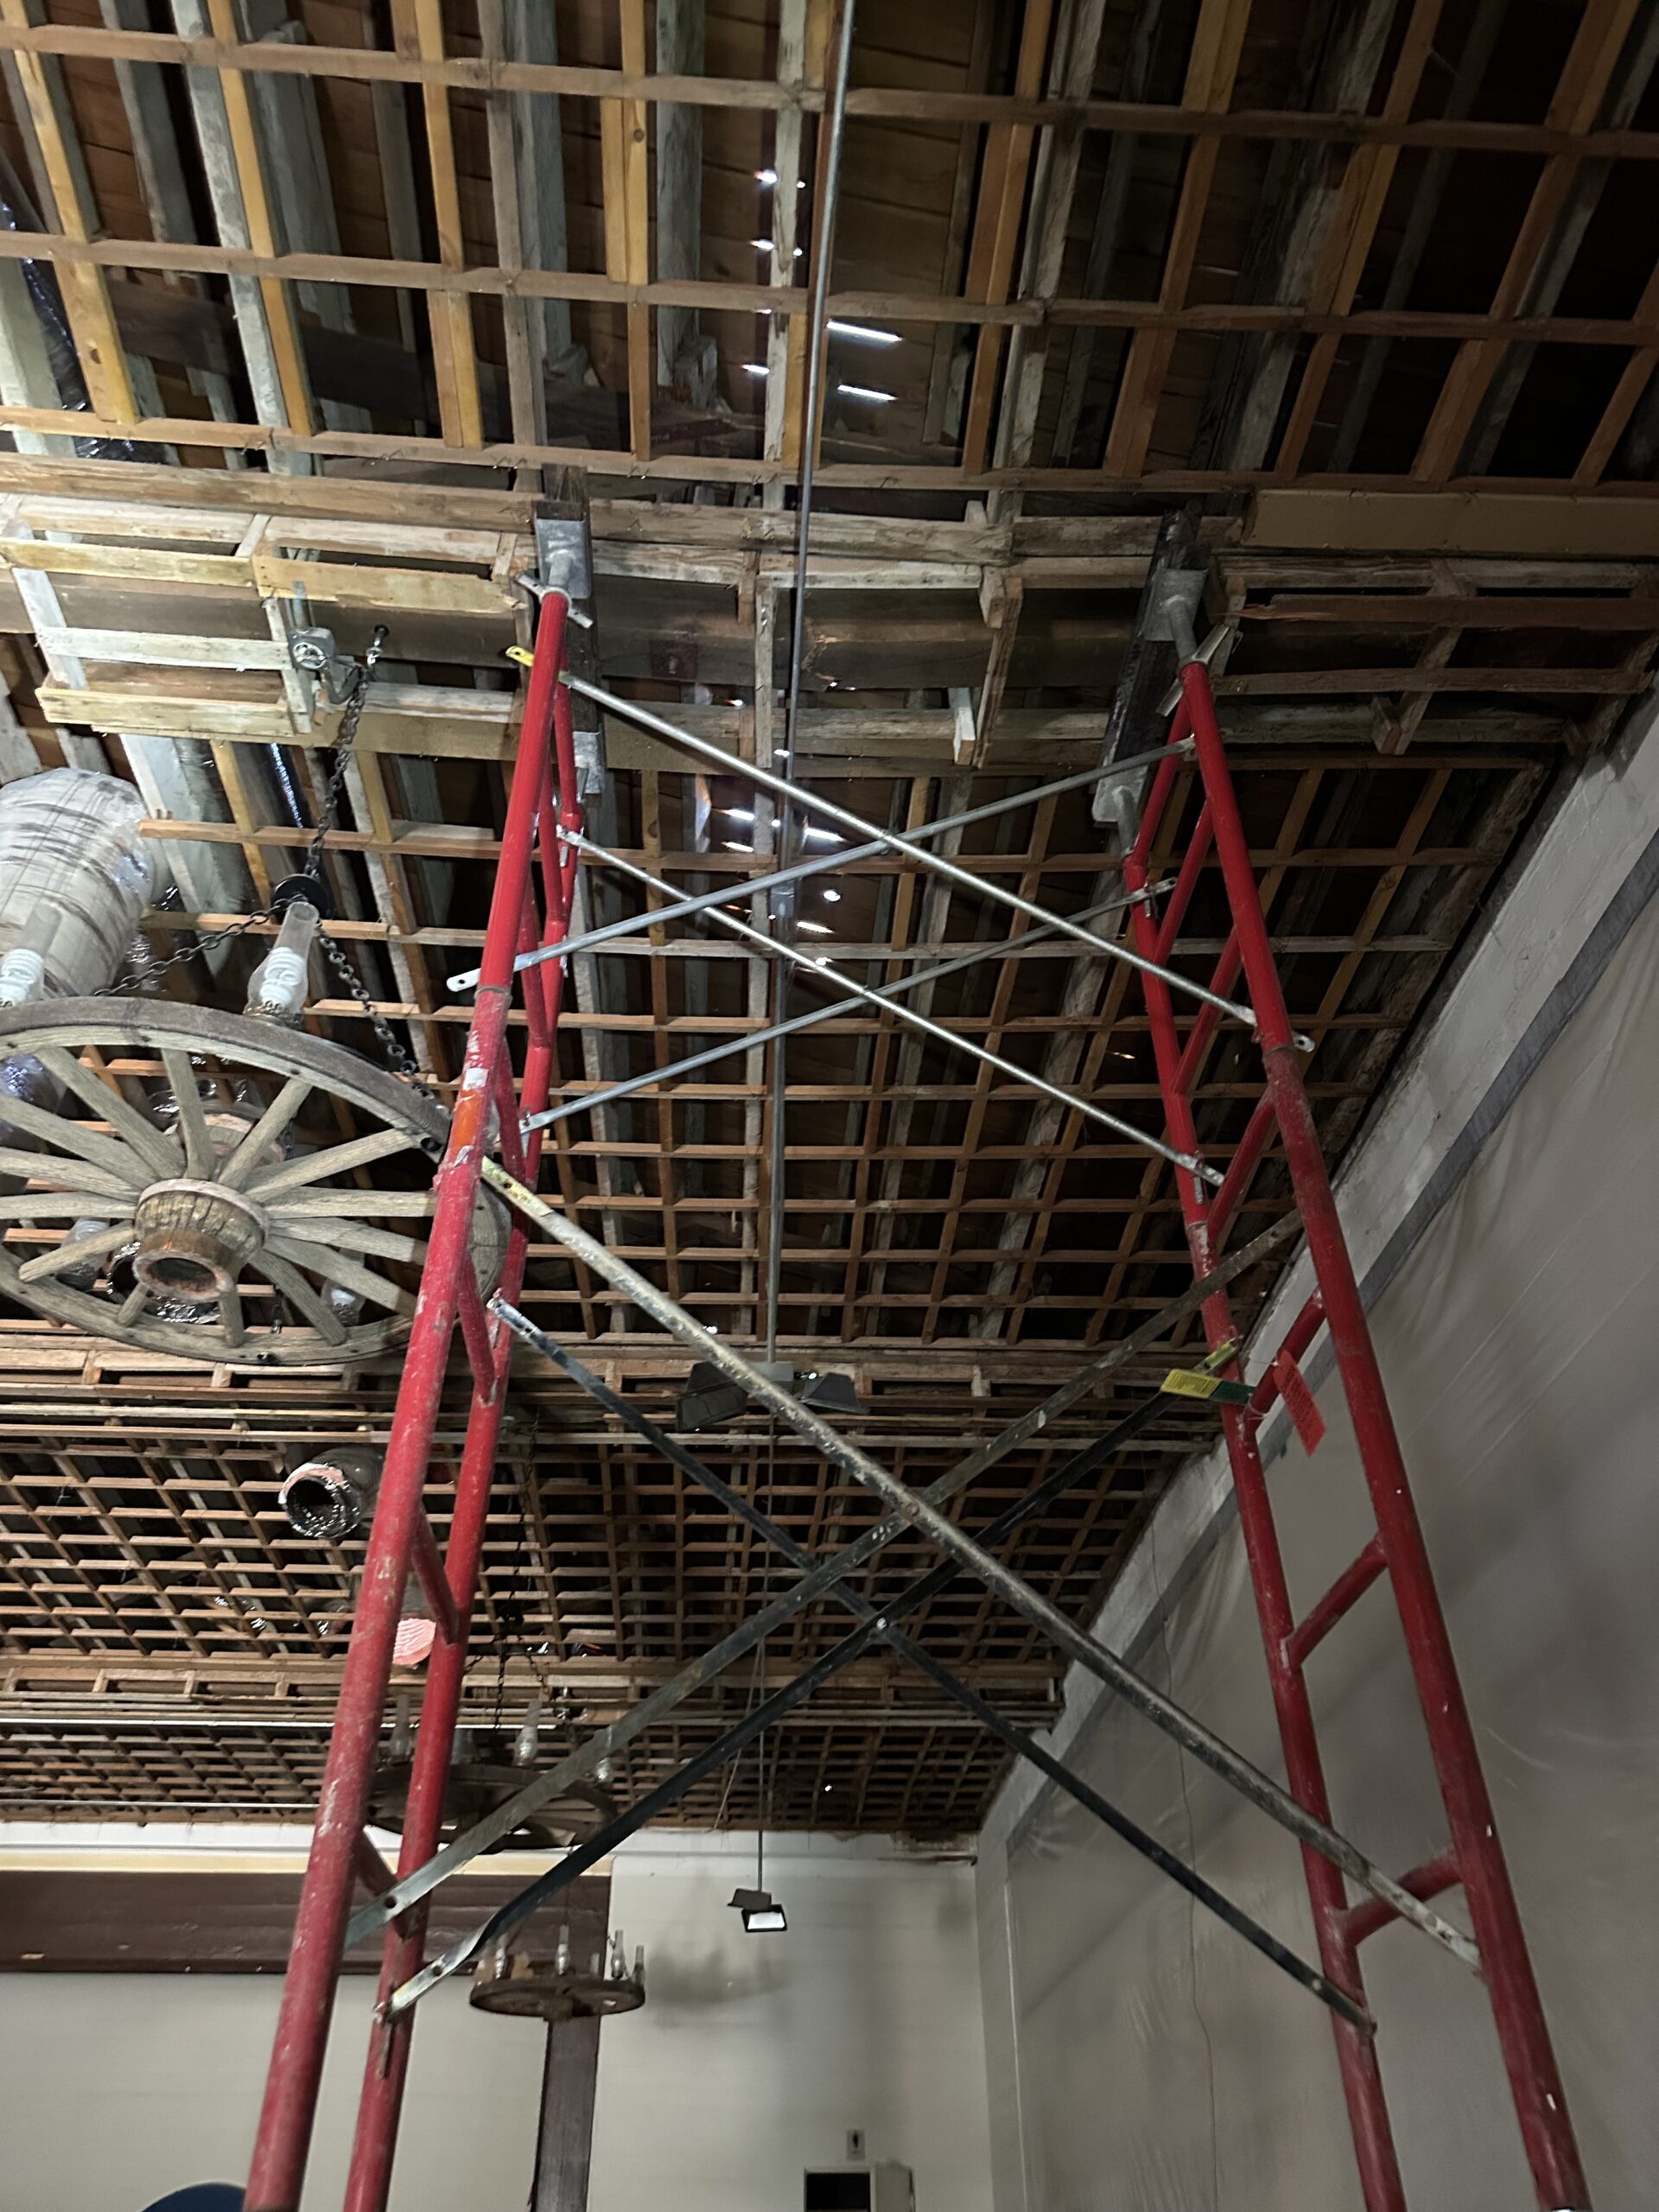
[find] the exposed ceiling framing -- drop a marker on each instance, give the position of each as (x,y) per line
(1368,289)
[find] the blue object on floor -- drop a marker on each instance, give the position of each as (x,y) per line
(201,2196)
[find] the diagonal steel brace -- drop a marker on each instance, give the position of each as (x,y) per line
(607,1742)
(1185,1728)
(880,1621)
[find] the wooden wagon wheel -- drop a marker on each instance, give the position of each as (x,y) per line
(178,1179)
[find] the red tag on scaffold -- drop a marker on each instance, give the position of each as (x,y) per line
(1299,1402)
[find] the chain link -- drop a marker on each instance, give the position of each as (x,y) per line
(398,1055)
(207,941)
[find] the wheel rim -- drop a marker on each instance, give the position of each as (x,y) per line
(200,1186)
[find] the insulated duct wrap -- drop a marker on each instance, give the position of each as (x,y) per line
(72,857)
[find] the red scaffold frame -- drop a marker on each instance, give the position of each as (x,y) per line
(1474,1858)
(544,800)
(531,910)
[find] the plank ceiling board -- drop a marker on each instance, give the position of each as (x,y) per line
(1369,291)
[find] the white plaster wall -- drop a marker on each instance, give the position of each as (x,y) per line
(755,2054)
(752,2059)
(115,2089)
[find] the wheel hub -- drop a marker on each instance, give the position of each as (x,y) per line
(194,1239)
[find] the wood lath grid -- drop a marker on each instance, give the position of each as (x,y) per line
(1370,288)
(1115,309)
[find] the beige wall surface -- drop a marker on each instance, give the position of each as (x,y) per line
(756,2054)
(1149,2061)
(750,2061)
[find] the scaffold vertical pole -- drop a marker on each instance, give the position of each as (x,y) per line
(1475,1859)
(545,762)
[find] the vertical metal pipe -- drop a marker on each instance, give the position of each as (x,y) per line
(783,913)
(1534,2079)
(282,2143)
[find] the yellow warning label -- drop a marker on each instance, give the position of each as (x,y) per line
(1186,1382)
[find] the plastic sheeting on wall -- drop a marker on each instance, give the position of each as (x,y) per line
(1164,2067)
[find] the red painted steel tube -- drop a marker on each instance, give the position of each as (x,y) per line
(289,2110)
(1356,2061)
(381,2106)
(1432,1879)
(1243,1165)
(282,2143)
(1297,1338)
(1338,1601)
(429,1569)
(374,2146)
(1163,782)
(475,1331)
(1181,898)
(535,1001)
(1517,2010)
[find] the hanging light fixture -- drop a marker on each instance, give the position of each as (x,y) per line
(762,1914)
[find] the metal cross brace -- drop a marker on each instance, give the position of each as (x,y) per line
(747,1039)
(981,887)
(826,863)
(819,964)
(883,1618)
(697,1673)
(1095,1658)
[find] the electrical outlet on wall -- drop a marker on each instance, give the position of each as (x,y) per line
(854,2146)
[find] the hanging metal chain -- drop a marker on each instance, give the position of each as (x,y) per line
(206,941)
(395,1051)
(345,743)
(398,1054)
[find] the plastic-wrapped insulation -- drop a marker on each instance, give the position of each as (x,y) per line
(71,849)
(75,876)
(17,214)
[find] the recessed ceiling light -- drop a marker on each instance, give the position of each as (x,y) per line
(866,392)
(765,176)
(831,897)
(756,369)
(817,929)
(862,333)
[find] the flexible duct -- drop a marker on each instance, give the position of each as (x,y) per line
(332,1496)
(75,876)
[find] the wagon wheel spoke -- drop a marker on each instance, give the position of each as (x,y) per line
(131,1305)
(72,1250)
(299,1294)
(99,1186)
(270,1130)
(338,1160)
(322,1260)
(230,1317)
(64,1205)
(107,1153)
(354,1204)
(151,1145)
(199,1156)
(351,1236)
